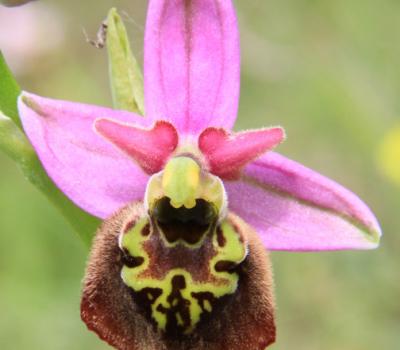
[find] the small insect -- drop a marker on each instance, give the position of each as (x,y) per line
(101,36)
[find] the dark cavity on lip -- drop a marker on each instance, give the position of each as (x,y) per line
(182,223)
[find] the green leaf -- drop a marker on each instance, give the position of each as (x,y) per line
(125,74)
(15,144)
(9,92)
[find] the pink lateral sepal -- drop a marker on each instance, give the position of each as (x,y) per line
(150,148)
(227,154)
(296,209)
(91,172)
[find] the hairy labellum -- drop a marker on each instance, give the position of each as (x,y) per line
(147,290)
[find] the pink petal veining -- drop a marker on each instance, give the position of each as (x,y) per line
(192,63)
(91,172)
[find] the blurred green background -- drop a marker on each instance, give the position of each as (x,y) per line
(328,71)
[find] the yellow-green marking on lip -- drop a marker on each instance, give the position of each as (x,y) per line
(178,294)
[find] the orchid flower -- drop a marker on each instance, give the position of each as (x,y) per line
(189,206)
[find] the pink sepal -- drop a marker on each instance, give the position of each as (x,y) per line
(91,172)
(192,63)
(294,208)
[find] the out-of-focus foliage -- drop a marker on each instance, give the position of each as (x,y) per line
(325,70)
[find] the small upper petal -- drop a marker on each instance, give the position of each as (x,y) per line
(150,148)
(227,154)
(91,172)
(295,208)
(191,63)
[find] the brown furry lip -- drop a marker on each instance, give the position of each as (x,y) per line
(245,320)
